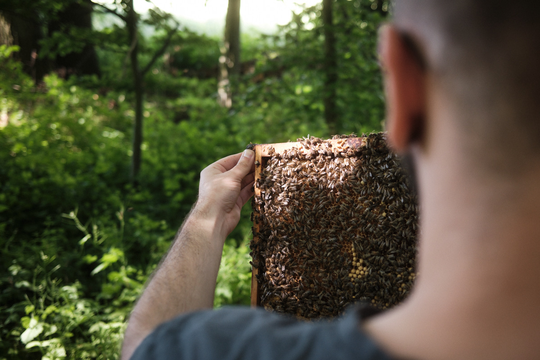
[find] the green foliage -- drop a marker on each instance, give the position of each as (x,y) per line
(77,240)
(234,277)
(66,147)
(195,52)
(63,43)
(291,93)
(58,320)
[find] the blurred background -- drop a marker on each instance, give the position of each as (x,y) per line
(109,109)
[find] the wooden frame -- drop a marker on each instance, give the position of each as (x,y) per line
(262,155)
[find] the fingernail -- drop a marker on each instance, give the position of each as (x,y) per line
(248,154)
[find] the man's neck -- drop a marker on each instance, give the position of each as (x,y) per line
(478,288)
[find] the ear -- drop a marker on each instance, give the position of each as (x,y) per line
(405,90)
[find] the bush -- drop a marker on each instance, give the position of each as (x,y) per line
(70,278)
(54,318)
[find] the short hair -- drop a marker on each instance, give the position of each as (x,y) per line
(485,55)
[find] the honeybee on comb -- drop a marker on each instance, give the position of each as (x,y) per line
(335,222)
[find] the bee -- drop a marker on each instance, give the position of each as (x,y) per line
(309,196)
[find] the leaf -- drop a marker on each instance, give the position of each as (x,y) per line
(45,343)
(99,326)
(49,310)
(14,269)
(53,329)
(34,344)
(5,51)
(71,292)
(28,309)
(90,258)
(32,332)
(25,322)
(55,350)
(110,258)
(99,268)
(23,283)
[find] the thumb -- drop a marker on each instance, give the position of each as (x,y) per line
(244,165)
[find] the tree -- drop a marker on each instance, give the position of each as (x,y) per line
(125,11)
(330,67)
(232,37)
(317,71)
(52,35)
(75,17)
(230,60)
(26,33)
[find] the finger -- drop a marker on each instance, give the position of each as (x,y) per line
(228,162)
(248,179)
(245,164)
(245,194)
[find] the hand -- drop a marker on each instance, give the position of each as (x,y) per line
(224,188)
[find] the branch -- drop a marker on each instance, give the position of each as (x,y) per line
(109,10)
(160,52)
(128,55)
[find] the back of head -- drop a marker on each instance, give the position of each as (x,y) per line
(484,55)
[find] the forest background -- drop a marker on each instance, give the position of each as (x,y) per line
(103,133)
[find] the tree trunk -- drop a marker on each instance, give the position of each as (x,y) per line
(137,82)
(27,34)
(85,62)
(230,59)
(330,67)
(5,32)
(232,37)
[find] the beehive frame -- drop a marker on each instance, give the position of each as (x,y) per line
(308,192)
(263,152)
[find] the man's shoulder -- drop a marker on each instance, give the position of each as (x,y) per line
(244,333)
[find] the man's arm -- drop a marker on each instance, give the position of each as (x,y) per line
(186,279)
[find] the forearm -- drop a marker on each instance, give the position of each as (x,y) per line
(184,282)
(186,279)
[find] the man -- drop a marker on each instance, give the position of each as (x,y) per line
(462,80)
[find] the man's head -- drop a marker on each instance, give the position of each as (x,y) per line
(478,61)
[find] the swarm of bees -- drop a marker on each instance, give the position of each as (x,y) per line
(335,223)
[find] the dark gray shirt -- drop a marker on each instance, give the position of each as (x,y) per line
(255,334)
